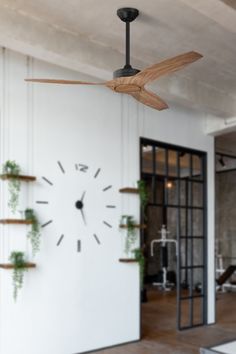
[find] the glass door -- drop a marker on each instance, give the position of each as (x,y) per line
(176,180)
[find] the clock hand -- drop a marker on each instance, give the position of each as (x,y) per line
(83,217)
(82,198)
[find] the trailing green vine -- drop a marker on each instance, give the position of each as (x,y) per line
(33,234)
(138,254)
(131,236)
(12,168)
(143,195)
(19,263)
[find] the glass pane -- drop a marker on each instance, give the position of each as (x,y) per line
(159,191)
(197,311)
(198,280)
(153,254)
(147,159)
(161,161)
(172,218)
(172,192)
(184,165)
(197,194)
(197,167)
(148,183)
(197,222)
(183,215)
(184,283)
(185,313)
(183,192)
(172,163)
(197,251)
(172,222)
(185,252)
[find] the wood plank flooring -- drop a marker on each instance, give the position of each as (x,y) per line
(159,335)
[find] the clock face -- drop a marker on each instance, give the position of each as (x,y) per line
(80,197)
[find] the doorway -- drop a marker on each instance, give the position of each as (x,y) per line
(225,225)
(175,238)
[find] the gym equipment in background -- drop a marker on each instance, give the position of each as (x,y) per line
(223,281)
(165,284)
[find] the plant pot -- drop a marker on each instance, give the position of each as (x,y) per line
(29,214)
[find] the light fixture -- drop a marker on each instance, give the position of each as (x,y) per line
(169,184)
(221,161)
(147,148)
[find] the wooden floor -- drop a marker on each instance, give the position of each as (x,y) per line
(159,333)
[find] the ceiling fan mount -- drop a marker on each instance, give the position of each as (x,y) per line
(127,15)
(132,81)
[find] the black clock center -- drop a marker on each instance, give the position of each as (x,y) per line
(79,204)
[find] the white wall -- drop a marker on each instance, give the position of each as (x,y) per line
(74,302)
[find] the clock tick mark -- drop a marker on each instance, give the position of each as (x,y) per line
(46,223)
(79,246)
(106,188)
(60,239)
(41,202)
(110,206)
(47,180)
(81,167)
(97,239)
(61,167)
(107,224)
(97,173)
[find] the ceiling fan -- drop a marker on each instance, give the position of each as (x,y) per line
(132,81)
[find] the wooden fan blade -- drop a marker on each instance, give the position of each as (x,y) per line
(64,82)
(150,99)
(165,67)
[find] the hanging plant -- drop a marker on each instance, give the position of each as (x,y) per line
(11,168)
(19,263)
(34,234)
(129,221)
(143,195)
(138,255)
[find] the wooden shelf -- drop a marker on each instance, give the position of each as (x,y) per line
(136,226)
(129,190)
(20,177)
(11,266)
(128,260)
(16,221)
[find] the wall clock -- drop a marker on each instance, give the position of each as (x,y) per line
(81,196)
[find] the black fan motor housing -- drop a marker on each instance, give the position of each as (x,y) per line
(125,71)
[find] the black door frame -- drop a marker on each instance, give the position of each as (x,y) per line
(188,269)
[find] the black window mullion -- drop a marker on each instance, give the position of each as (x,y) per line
(204,191)
(190,235)
(186,231)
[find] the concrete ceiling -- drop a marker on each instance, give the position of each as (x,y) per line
(87,36)
(226,143)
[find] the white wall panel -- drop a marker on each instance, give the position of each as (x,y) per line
(78,301)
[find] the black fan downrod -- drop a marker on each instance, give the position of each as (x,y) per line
(127,15)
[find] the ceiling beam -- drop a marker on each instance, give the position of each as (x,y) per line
(217,126)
